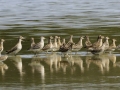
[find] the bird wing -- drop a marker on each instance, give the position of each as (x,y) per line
(12,49)
(36,46)
(46,47)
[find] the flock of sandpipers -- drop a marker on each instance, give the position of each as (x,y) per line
(55,45)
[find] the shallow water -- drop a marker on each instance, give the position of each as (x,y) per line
(35,18)
(54,71)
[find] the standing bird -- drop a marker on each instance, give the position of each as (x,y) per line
(17,47)
(99,42)
(98,47)
(38,47)
(106,43)
(63,42)
(112,47)
(55,44)
(1,46)
(87,42)
(32,42)
(78,46)
(70,41)
(63,49)
(59,43)
(49,46)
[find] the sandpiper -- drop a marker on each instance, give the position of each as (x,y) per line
(70,41)
(99,50)
(79,45)
(49,46)
(63,48)
(17,47)
(106,43)
(118,47)
(63,42)
(112,47)
(1,46)
(99,42)
(87,42)
(59,43)
(98,47)
(38,47)
(32,42)
(55,45)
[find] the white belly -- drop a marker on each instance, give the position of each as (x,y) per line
(18,49)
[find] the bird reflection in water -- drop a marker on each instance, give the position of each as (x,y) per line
(17,61)
(71,62)
(112,58)
(3,68)
(37,67)
(102,61)
(53,61)
(79,62)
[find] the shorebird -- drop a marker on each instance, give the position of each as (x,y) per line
(99,50)
(79,45)
(65,49)
(106,43)
(63,42)
(118,47)
(3,58)
(98,47)
(38,47)
(49,46)
(87,42)
(32,42)
(59,43)
(99,42)
(55,45)
(112,47)
(70,41)
(17,47)
(1,46)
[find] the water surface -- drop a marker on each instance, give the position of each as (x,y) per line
(35,18)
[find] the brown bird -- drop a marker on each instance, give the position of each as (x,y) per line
(106,43)
(79,45)
(17,47)
(55,45)
(32,42)
(98,47)
(70,41)
(38,47)
(59,43)
(97,44)
(49,46)
(87,42)
(112,47)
